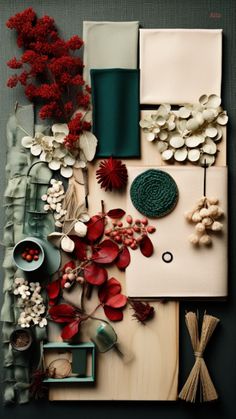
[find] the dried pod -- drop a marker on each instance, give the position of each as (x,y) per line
(207,221)
(193,238)
(204,212)
(213,201)
(205,239)
(80,229)
(216,226)
(200,227)
(213,210)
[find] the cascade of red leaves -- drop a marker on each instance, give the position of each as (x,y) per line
(48,57)
(112,174)
(112,300)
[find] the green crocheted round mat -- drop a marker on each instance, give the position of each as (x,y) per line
(154,193)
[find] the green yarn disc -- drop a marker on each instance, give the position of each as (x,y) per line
(154,193)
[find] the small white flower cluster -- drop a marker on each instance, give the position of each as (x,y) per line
(204,215)
(30,302)
(54,198)
(189,134)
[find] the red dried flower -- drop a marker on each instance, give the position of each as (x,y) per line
(13,63)
(112,174)
(142,311)
(75,42)
(12,81)
(48,58)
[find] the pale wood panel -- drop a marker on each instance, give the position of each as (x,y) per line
(153,372)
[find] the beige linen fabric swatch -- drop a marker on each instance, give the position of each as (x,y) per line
(194,271)
(110,45)
(179,65)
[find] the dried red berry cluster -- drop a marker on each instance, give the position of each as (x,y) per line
(131,234)
(50,58)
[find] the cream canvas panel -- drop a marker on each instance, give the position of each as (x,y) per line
(179,65)
(194,271)
(109,45)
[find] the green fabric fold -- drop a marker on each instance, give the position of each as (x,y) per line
(115,98)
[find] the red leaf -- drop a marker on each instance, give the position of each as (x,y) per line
(117,301)
(146,246)
(123,259)
(53,289)
(62,313)
(80,248)
(110,288)
(70,330)
(106,252)
(116,213)
(95,228)
(94,274)
(113,314)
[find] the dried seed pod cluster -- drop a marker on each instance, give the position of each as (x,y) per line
(205,216)
(70,277)
(54,198)
(189,134)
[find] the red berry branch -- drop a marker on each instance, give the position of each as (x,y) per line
(93,255)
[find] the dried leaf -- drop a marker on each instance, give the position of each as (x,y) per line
(62,313)
(117,301)
(88,144)
(95,228)
(123,259)
(70,329)
(67,244)
(146,246)
(110,288)
(116,213)
(95,274)
(53,289)
(113,314)
(80,249)
(106,252)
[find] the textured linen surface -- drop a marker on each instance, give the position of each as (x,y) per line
(179,65)
(115,98)
(110,45)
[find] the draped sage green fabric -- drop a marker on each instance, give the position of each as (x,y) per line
(16,365)
(115,98)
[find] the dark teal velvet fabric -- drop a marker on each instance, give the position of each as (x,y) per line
(115,99)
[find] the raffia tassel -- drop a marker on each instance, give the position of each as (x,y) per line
(199,374)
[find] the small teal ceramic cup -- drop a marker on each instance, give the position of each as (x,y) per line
(20,248)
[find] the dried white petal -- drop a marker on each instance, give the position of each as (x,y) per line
(80,229)
(150,136)
(222,119)
(181,154)
(209,147)
(60,128)
(36,149)
(194,141)
(167,154)
(27,142)
(162,146)
(211,132)
(207,159)
(66,172)
(67,244)
(214,101)
(176,141)
(194,155)
(54,165)
(203,99)
(184,112)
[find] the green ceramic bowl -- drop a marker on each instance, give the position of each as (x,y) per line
(20,248)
